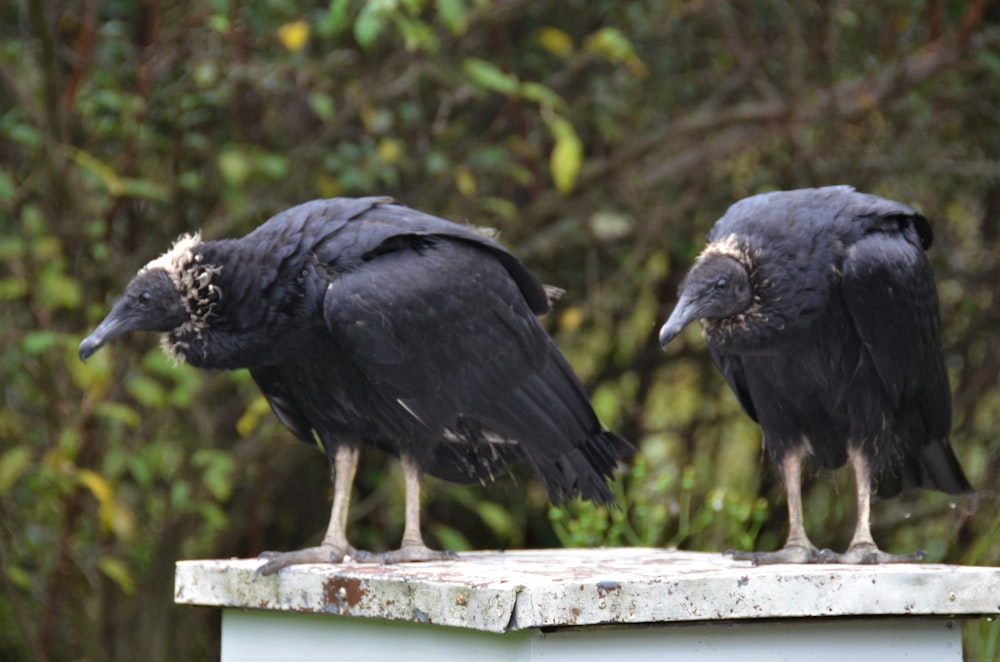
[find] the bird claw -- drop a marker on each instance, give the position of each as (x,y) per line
(793,553)
(412,553)
(869,554)
(321,554)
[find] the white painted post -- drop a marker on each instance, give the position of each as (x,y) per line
(598,603)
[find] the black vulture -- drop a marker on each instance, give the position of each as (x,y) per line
(819,308)
(366,322)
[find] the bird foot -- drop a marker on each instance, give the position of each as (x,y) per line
(791,553)
(869,554)
(407,553)
(321,554)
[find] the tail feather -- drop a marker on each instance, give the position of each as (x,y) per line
(548,423)
(935,467)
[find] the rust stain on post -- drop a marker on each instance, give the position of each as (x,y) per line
(344,593)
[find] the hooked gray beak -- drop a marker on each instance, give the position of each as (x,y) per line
(109,329)
(684,313)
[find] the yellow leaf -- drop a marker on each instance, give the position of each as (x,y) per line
(571,319)
(121,519)
(248,422)
(104,493)
(96,484)
(294,35)
(465,181)
(555,41)
(327,185)
(390,149)
(117,571)
(99,169)
(567,154)
(613,45)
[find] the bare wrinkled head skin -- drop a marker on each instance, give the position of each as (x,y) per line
(151,302)
(716,288)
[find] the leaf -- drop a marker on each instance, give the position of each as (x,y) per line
(147,391)
(322,105)
(248,422)
(12,288)
(608,225)
(337,18)
(57,290)
(391,150)
(105,173)
(293,36)
(614,46)
(122,413)
(117,571)
(542,95)
(571,319)
(219,468)
(417,35)
(501,207)
(369,24)
(180,495)
(13,464)
(116,185)
(115,518)
(131,187)
(453,15)
(37,342)
(97,485)
(465,181)
(449,538)
(234,166)
(555,41)
(566,158)
(487,75)
(496,517)
(7,187)
(18,576)
(273,166)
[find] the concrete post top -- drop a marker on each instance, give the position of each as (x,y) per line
(515,590)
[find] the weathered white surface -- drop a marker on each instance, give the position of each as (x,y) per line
(255,636)
(509,591)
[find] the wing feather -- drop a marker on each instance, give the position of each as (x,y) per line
(440,327)
(888,288)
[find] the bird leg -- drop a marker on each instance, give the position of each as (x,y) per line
(863,549)
(412,547)
(798,548)
(334,547)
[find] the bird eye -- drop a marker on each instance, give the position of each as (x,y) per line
(722,283)
(145,298)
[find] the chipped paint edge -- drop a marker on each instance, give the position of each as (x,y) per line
(728,591)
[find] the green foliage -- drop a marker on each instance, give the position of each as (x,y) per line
(662,509)
(601,138)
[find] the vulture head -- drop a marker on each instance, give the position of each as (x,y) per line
(717,287)
(173,294)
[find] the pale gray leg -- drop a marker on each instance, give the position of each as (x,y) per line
(334,547)
(863,548)
(412,547)
(798,548)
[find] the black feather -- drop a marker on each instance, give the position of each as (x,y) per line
(819,308)
(366,322)
(841,343)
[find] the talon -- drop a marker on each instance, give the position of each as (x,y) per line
(321,554)
(407,553)
(739,554)
(869,554)
(790,553)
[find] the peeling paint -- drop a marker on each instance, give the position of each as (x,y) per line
(515,590)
